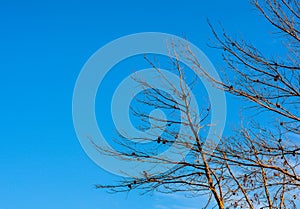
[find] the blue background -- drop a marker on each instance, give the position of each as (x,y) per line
(43,45)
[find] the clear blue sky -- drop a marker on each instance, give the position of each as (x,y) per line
(43,45)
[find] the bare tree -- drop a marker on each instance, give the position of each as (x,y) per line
(258,167)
